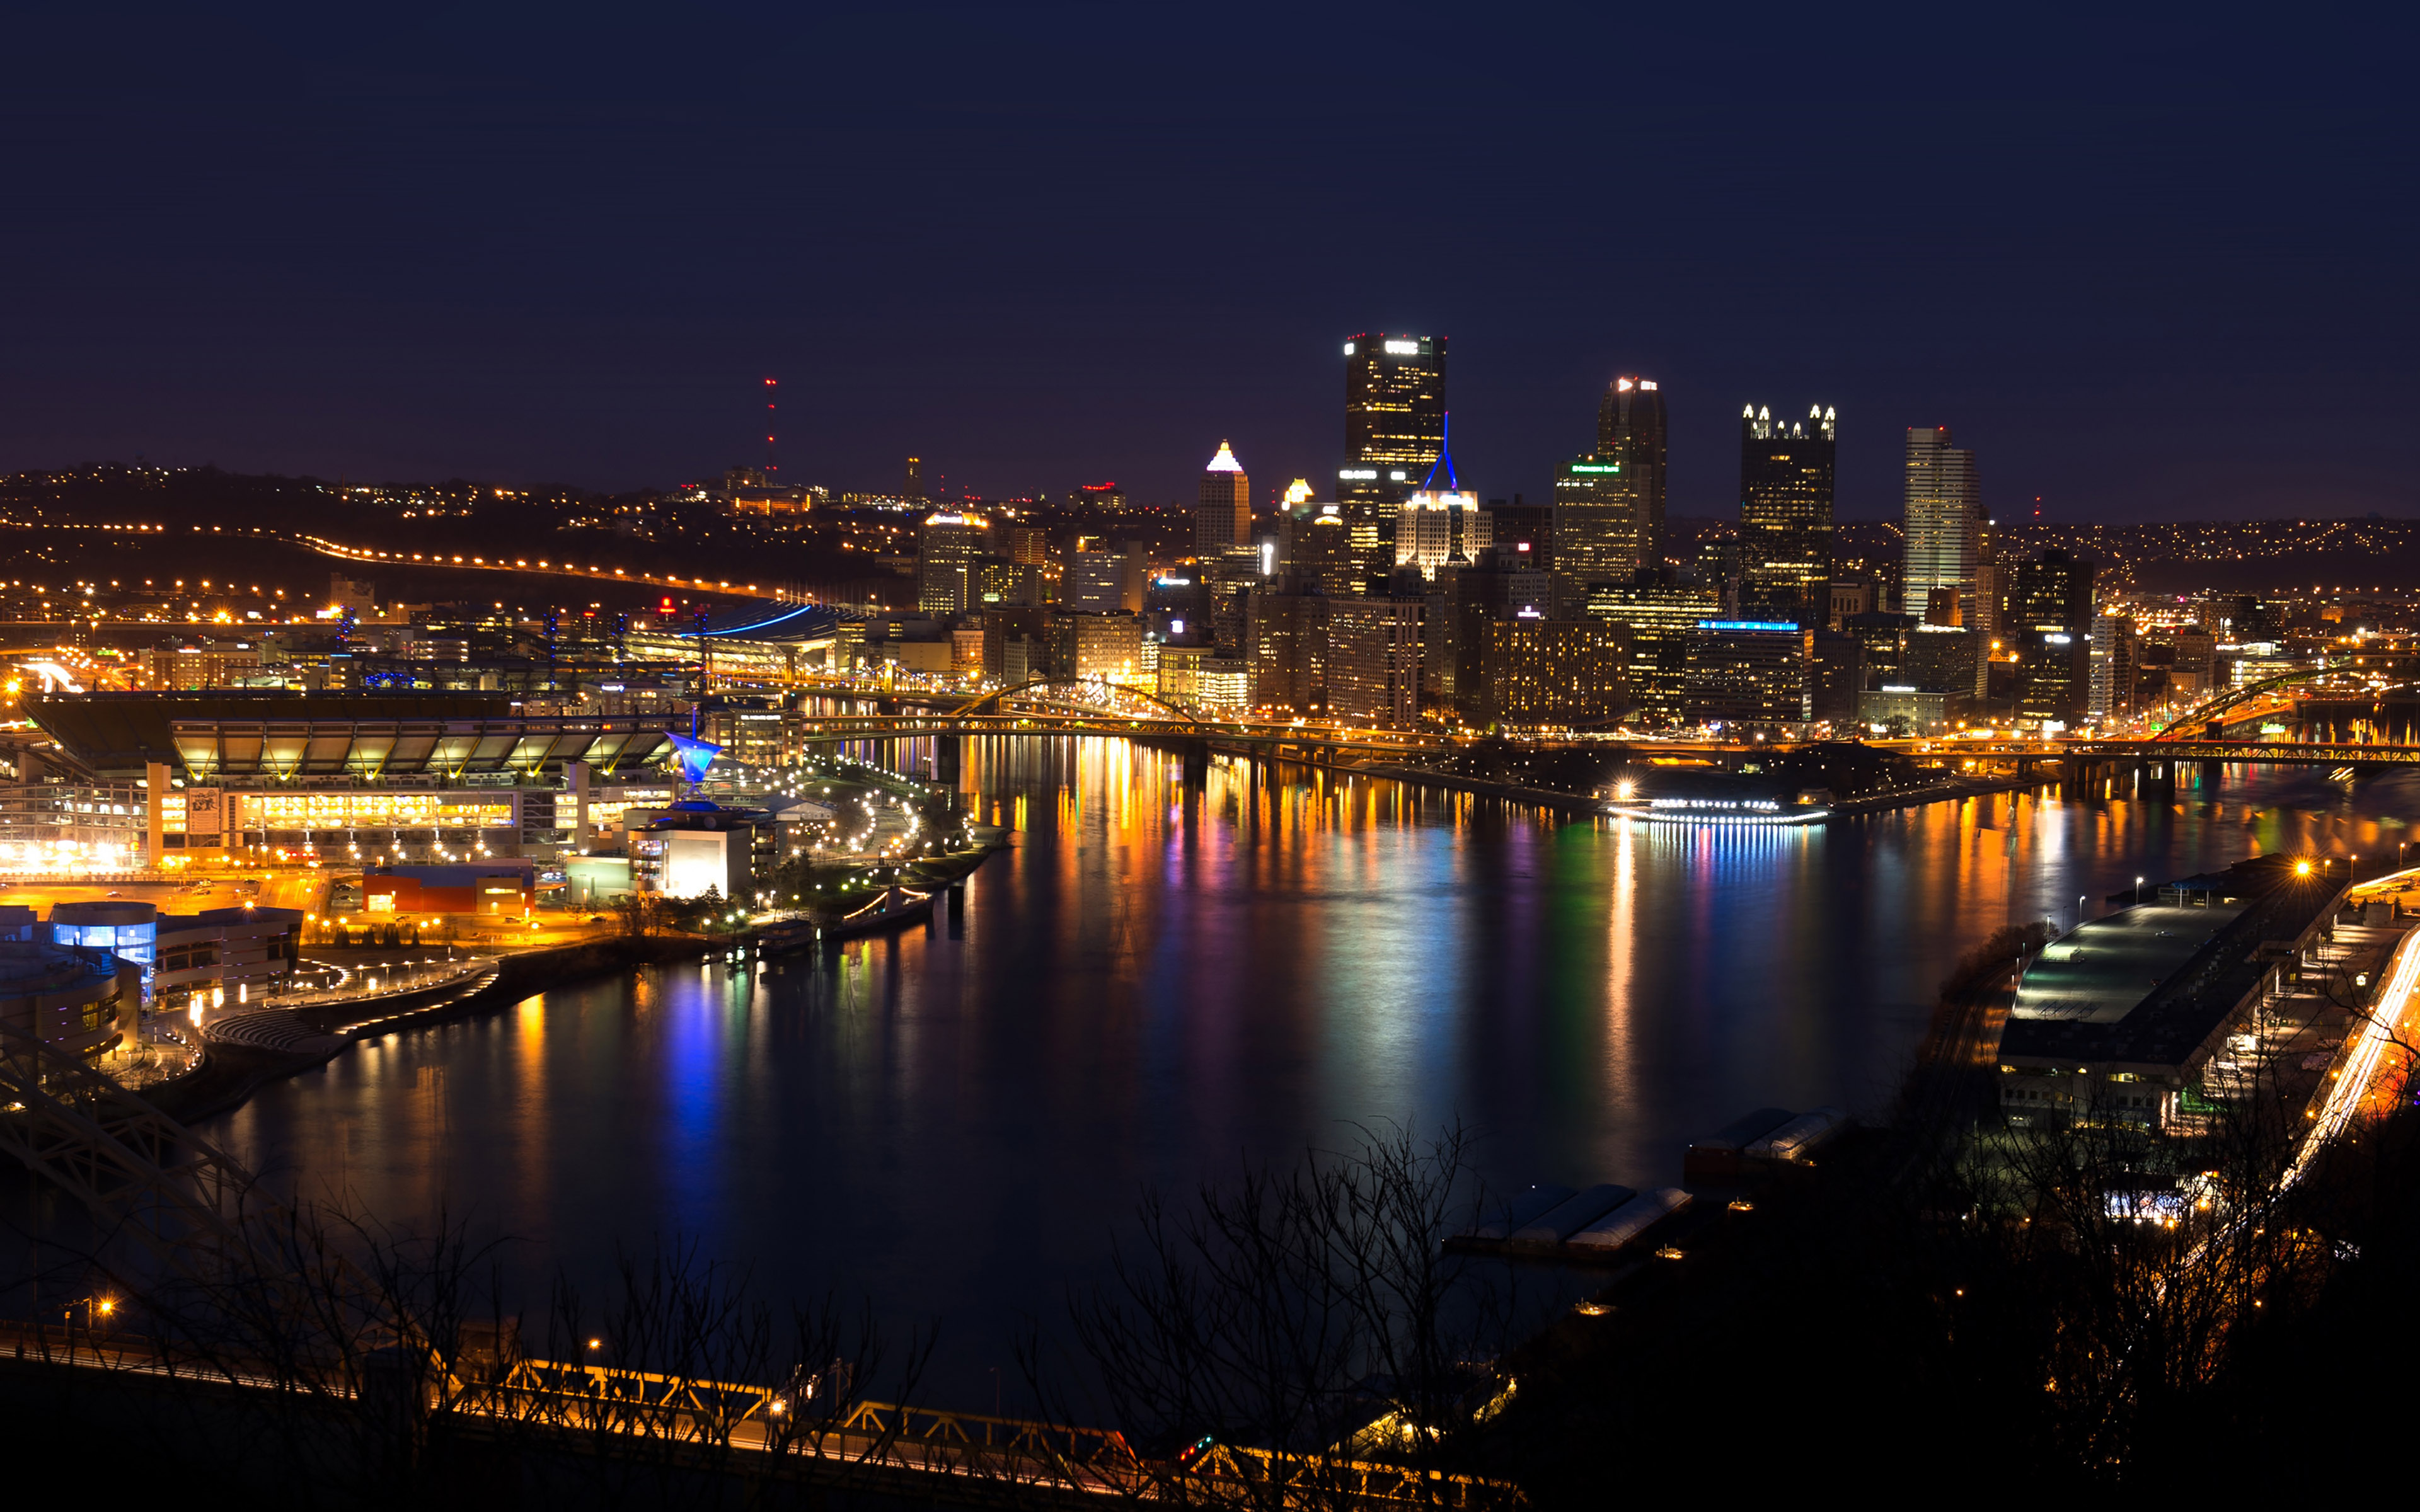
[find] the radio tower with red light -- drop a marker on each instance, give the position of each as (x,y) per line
(770,466)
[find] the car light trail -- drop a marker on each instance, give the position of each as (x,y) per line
(2365,1057)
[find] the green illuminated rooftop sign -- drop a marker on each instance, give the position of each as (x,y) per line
(1592,467)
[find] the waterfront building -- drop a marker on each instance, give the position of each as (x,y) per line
(1014,642)
(1104,646)
(85,1002)
(1542,674)
(1835,675)
(1900,709)
(1660,619)
(175,960)
(1786,510)
(1373,661)
(691,847)
(1940,658)
(1943,520)
(949,548)
(1222,509)
(1224,686)
(2115,657)
(2138,1016)
(1178,676)
(1749,672)
(1394,418)
(2050,608)
(1287,638)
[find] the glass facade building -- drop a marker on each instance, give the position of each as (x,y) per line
(1944,519)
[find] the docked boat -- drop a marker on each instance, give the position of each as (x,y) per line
(1717,811)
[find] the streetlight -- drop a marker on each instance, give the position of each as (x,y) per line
(2138,890)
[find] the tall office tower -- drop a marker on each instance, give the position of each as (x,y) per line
(948,550)
(915,489)
(2050,611)
(1945,521)
(1993,579)
(1394,418)
(1596,521)
(2115,658)
(1609,503)
(1630,430)
(1786,510)
(1222,512)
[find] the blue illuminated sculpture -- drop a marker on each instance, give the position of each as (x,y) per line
(692,756)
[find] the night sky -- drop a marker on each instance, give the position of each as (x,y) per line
(2153,269)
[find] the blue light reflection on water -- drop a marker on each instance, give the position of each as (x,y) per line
(1155,983)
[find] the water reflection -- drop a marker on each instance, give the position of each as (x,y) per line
(1158,980)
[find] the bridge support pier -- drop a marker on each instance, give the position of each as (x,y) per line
(2209,775)
(945,758)
(1197,762)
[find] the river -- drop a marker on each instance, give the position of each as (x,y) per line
(1155,983)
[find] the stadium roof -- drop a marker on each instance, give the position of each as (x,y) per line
(273,736)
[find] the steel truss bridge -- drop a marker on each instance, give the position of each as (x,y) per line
(204,1228)
(2214,733)
(1068,706)
(2225,729)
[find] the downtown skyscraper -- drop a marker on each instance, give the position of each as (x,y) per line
(1222,510)
(1786,510)
(1394,418)
(1609,503)
(1944,523)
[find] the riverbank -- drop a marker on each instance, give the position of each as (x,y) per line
(231,1073)
(1906,798)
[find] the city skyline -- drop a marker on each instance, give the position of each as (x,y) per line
(318,308)
(1009,755)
